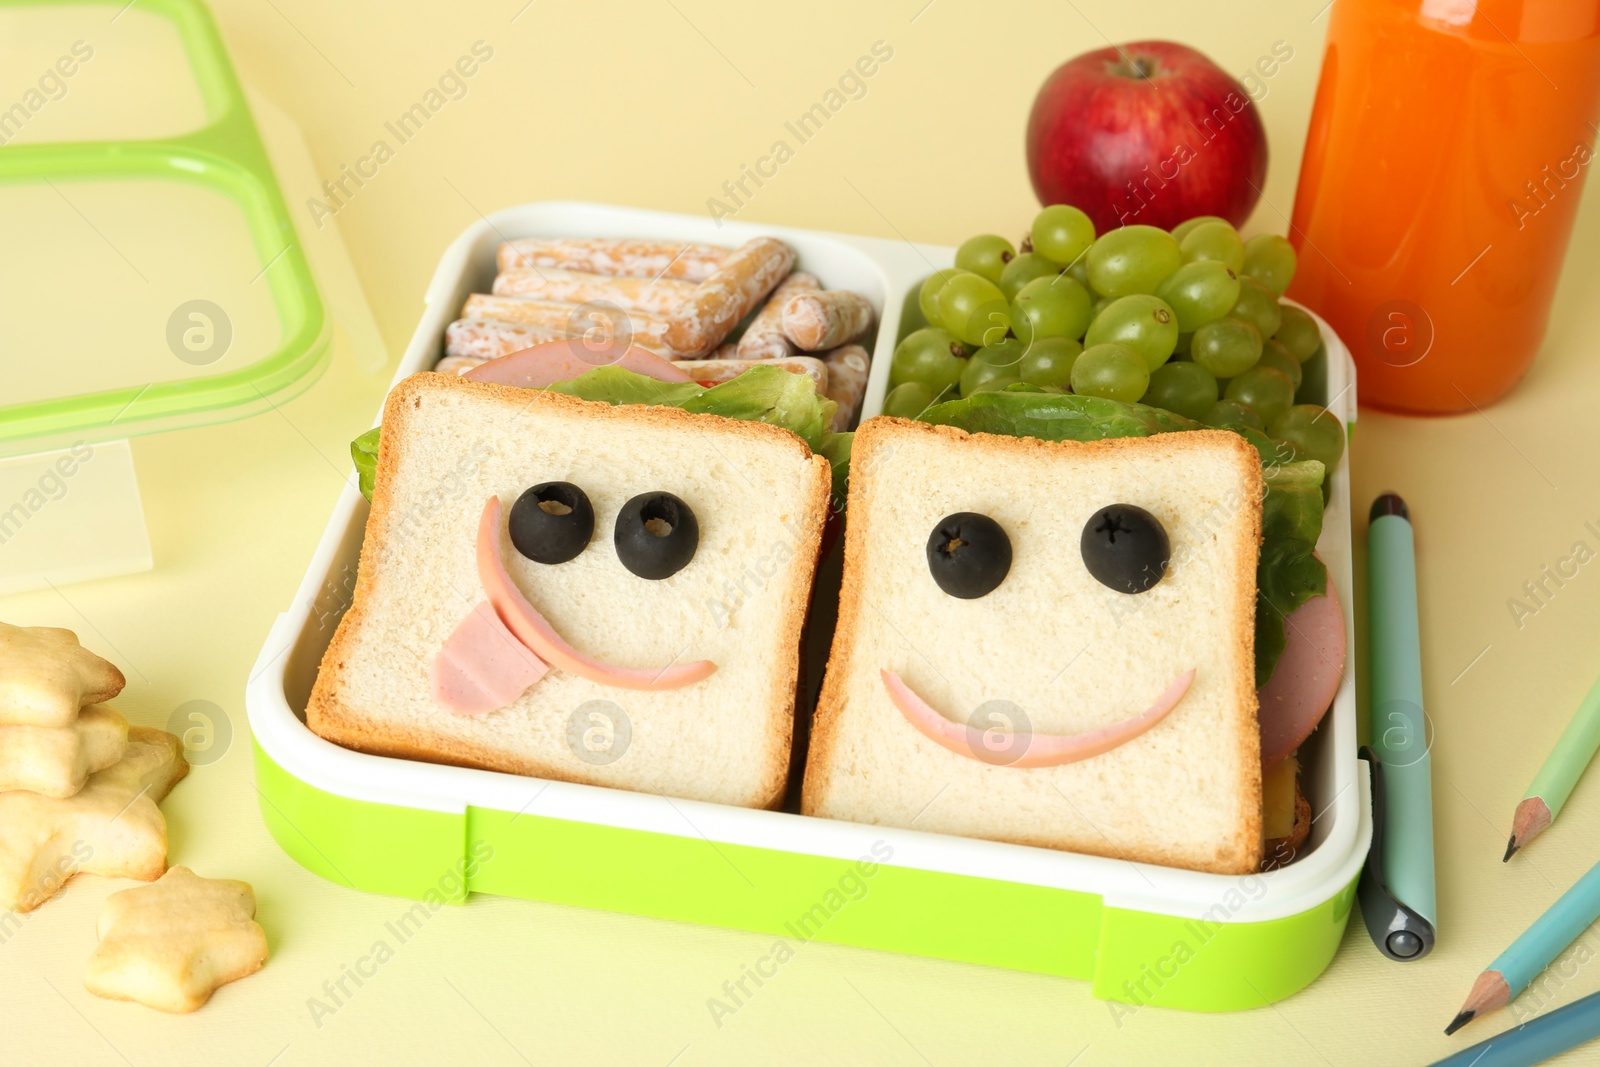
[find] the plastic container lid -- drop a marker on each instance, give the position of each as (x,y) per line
(151,276)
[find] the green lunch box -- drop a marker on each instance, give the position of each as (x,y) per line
(1138,933)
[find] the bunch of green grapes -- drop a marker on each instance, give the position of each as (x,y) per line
(1190,321)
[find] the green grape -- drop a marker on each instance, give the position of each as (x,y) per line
(1185,388)
(1230,414)
(1226,347)
(1112,371)
(1055,306)
(1049,361)
(1079,270)
(973,308)
(1257,306)
(985,255)
(1314,432)
(1277,357)
(1214,241)
(1199,293)
(1061,232)
(1187,226)
(1270,260)
(1266,391)
(1133,259)
(1181,350)
(927,297)
(1100,304)
(909,400)
(931,356)
(1298,333)
(993,367)
(1143,323)
(1024,269)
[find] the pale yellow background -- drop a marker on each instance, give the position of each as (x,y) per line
(655,104)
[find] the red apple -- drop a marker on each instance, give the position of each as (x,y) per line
(1151,132)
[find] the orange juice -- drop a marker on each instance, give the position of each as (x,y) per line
(1447,151)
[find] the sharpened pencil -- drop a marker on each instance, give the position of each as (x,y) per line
(1536,1040)
(1559,775)
(1533,951)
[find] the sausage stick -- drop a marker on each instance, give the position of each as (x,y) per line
(458,365)
(814,321)
(571,320)
(763,338)
(847,382)
(717,371)
(631,257)
(702,322)
(484,338)
(653,296)
(493,338)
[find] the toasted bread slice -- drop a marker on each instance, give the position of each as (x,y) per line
(1063,652)
(760,499)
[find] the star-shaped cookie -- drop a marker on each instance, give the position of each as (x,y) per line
(56,760)
(171,944)
(110,827)
(46,676)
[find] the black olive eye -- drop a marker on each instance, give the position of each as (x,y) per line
(968,555)
(551,522)
(656,535)
(1125,548)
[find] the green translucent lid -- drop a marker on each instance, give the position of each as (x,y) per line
(150,274)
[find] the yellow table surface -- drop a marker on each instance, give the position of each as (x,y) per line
(656,104)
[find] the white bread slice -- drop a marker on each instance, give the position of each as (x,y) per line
(760,498)
(1071,653)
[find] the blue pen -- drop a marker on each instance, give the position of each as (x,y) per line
(1397,887)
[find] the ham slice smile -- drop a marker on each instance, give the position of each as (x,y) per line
(1038,750)
(533,630)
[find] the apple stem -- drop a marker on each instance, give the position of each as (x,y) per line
(1139,69)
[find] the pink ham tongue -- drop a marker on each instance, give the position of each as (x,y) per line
(482,665)
(535,631)
(1305,680)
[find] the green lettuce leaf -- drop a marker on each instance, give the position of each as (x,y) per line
(364,454)
(1287,574)
(761,394)
(1053,416)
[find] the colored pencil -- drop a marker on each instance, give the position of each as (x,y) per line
(1536,1040)
(1539,945)
(1560,773)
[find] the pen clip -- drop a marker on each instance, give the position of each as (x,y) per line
(1398,931)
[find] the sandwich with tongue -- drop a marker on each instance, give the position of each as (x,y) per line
(591,574)
(1080,624)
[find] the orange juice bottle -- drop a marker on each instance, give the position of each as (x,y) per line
(1447,151)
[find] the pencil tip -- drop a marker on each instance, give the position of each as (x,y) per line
(1459,1021)
(1511,849)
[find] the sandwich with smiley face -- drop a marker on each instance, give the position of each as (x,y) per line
(1048,632)
(599,581)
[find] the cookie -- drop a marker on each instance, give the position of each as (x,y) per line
(111,827)
(171,944)
(46,676)
(54,761)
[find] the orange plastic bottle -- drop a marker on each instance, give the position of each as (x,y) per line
(1447,151)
